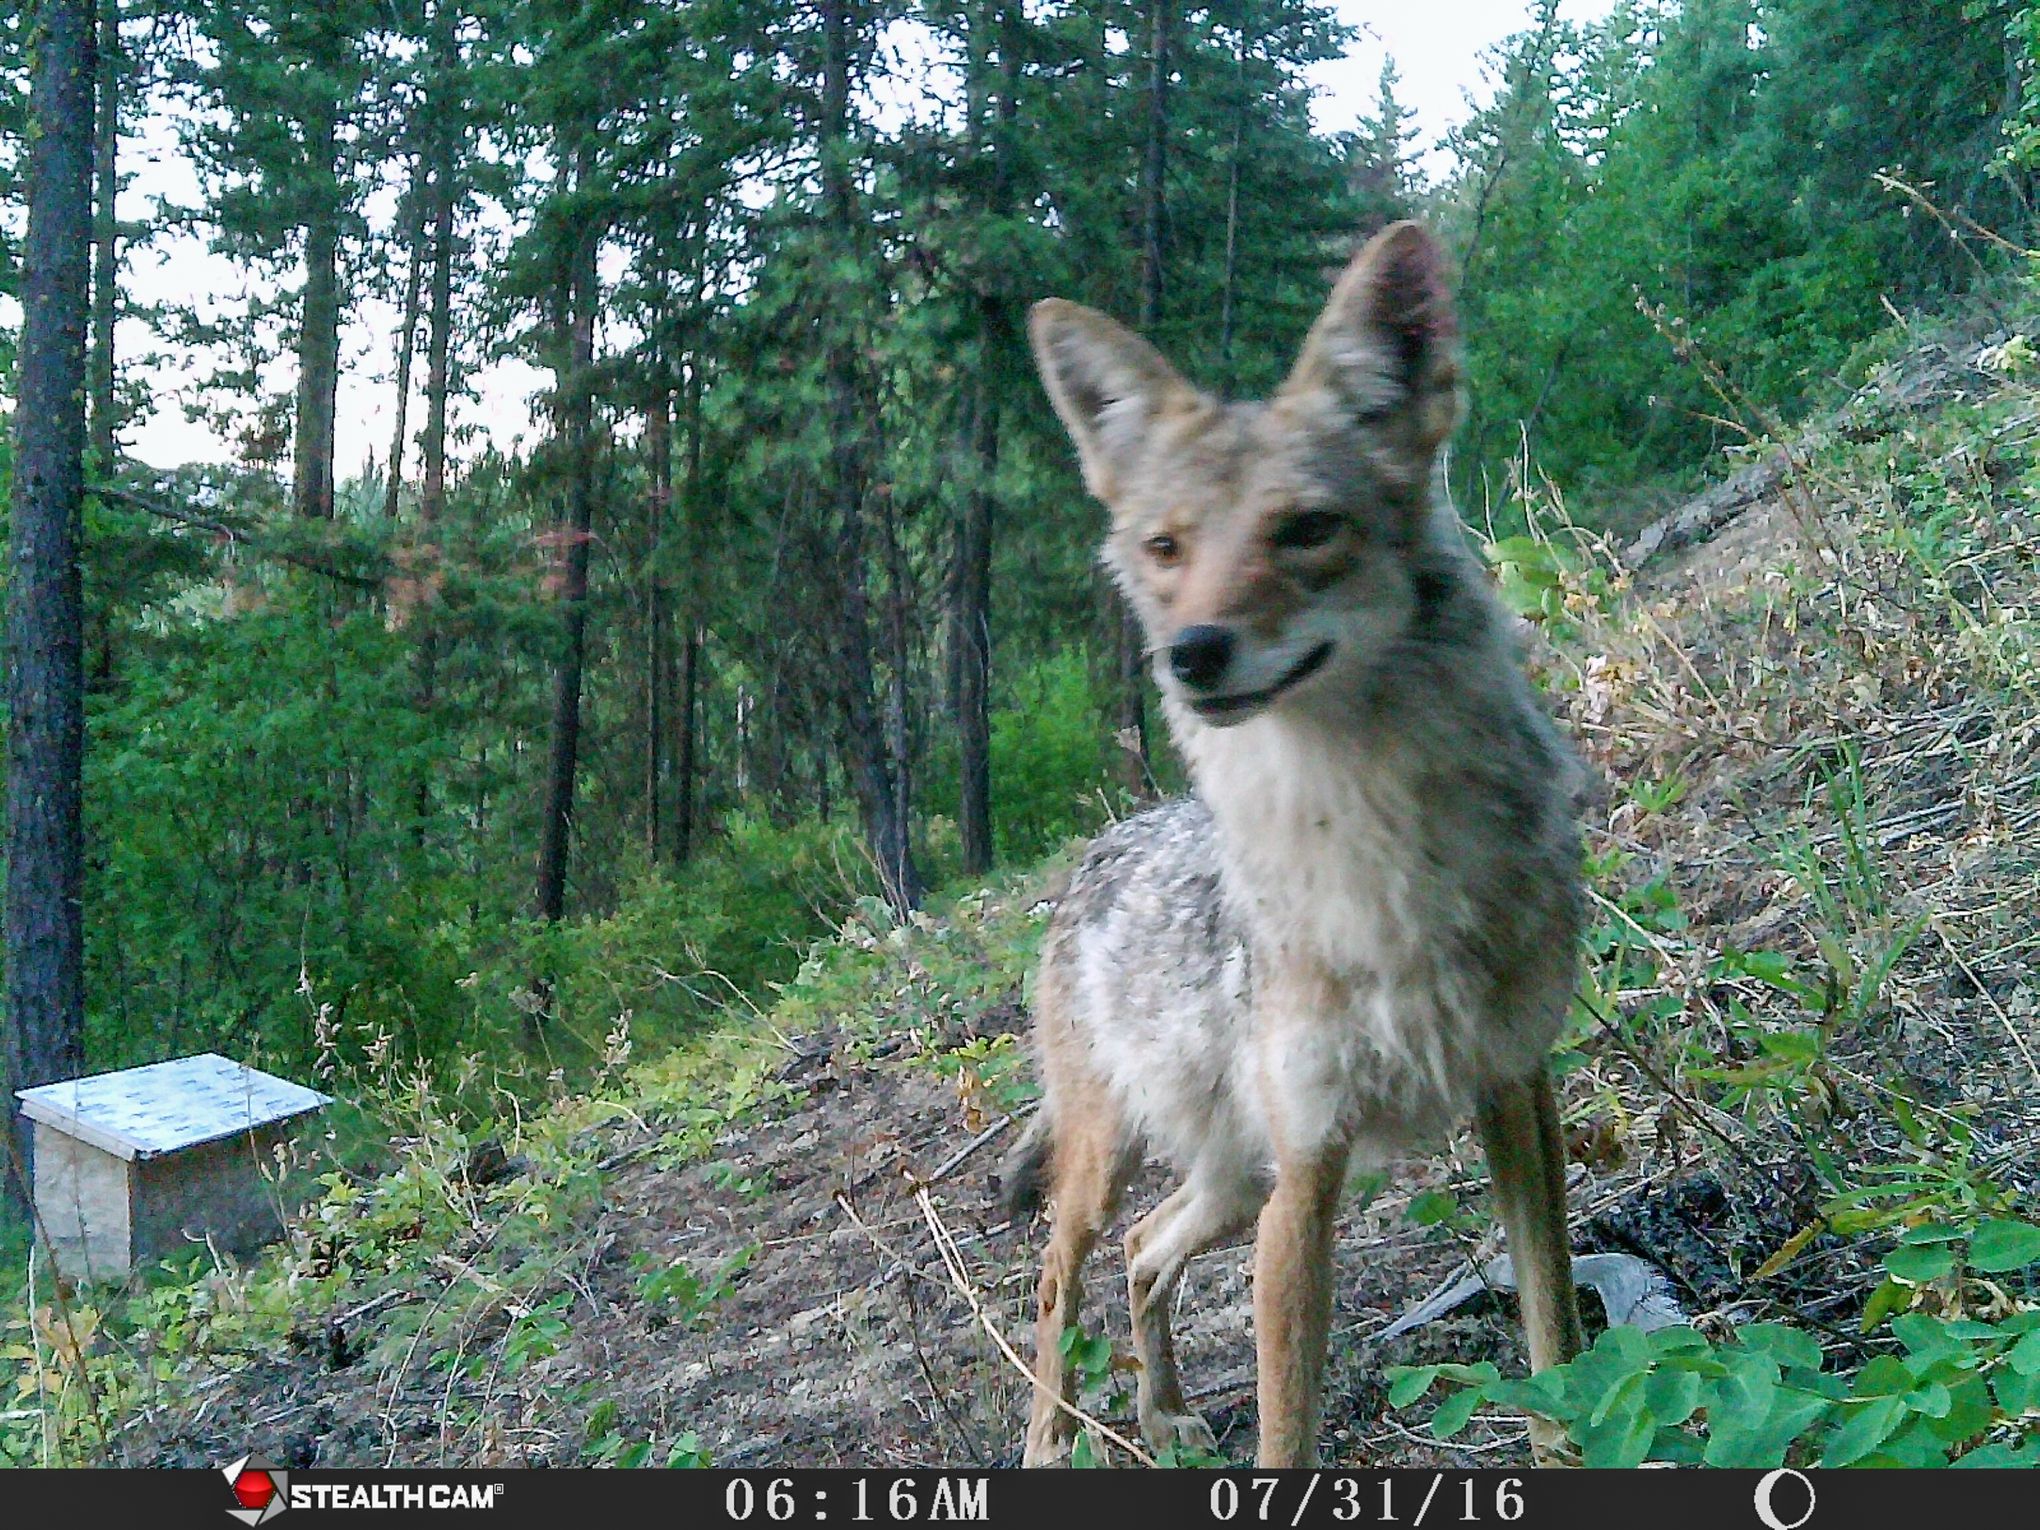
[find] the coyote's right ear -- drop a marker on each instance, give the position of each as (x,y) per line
(1107,383)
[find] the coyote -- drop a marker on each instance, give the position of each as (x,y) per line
(1362,926)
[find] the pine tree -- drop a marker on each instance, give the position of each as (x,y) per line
(44,1033)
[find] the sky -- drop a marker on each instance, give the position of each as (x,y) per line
(1437,47)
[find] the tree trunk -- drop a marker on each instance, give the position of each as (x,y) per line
(438,385)
(683,797)
(659,451)
(407,335)
(577,420)
(319,324)
(105,238)
(1135,774)
(971,583)
(43,1037)
(871,777)
(690,655)
(1228,295)
(973,637)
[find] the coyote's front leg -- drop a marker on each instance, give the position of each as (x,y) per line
(1293,1301)
(1526,1157)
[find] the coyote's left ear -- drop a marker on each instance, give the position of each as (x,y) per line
(1386,345)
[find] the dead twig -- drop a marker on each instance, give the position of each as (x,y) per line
(949,1164)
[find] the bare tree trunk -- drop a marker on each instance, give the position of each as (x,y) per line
(407,334)
(971,583)
(438,380)
(659,451)
(1228,297)
(683,797)
(319,325)
(105,238)
(577,420)
(690,656)
(1135,773)
(43,1036)
(868,767)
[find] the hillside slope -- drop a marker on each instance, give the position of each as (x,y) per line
(1806,1025)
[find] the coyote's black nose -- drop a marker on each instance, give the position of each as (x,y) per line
(1200,654)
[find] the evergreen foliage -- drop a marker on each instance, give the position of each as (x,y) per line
(773,263)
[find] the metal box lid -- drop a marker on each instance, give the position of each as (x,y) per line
(163,1107)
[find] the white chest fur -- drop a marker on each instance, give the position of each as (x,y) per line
(1370,1020)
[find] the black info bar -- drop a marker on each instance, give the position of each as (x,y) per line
(252,1492)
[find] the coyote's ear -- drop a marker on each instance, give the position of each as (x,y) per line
(1385,346)
(1107,383)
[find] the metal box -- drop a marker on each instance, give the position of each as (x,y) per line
(131,1166)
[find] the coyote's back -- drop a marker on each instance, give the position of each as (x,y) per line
(1361,928)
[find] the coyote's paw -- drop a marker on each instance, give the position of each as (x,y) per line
(1185,1431)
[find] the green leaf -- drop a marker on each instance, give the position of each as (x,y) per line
(1431,1207)
(1616,1397)
(2024,1356)
(1791,1046)
(1478,1374)
(1930,1401)
(1929,1340)
(1743,1437)
(2018,1395)
(1918,1265)
(1865,1427)
(1620,1442)
(1788,1346)
(1931,1232)
(1998,1455)
(1546,1393)
(1913,1445)
(1892,1296)
(1671,1397)
(1409,1382)
(1999,1245)
(1969,1412)
(1884,1376)
(1452,1413)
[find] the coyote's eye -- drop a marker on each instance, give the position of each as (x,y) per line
(1307,530)
(1164,549)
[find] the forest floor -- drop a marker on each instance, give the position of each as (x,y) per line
(1815,862)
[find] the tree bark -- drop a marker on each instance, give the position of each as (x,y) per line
(1135,774)
(443,194)
(319,323)
(971,582)
(407,335)
(1227,301)
(659,454)
(577,419)
(43,1036)
(105,237)
(870,771)
(690,653)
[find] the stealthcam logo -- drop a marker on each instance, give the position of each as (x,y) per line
(261,1490)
